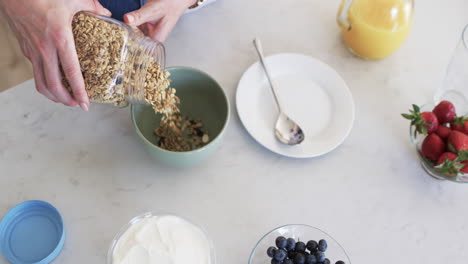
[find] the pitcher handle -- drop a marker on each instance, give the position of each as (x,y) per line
(342,17)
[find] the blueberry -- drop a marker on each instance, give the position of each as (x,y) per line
(288,261)
(320,256)
(327,261)
(311,259)
(291,244)
(281,242)
(322,245)
(299,259)
(312,245)
(292,254)
(271,251)
(300,247)
(340,262)
(199,132)
(280,255)
(274,261)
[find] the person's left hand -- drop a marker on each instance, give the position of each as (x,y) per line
(157,18)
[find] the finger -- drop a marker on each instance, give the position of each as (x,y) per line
(144,28)
(54,81)
(71,68)
(98,8)
(151,11)
(39,79)
(161,30)
(25,50)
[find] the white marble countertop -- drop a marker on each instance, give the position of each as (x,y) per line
(370,193)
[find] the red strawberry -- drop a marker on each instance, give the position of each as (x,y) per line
(445,112)
(426,122)
(460,124)
(448,164)
(446,156)
(443,132)
(432,123)
(465,168)
(458,143)
(432,147)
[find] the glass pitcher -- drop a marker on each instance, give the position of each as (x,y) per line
(454,88)
(374,29)
(455,84)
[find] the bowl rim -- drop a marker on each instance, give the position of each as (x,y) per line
(220,134)
(148,214)
(289,225)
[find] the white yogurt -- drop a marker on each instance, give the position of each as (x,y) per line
(162,240)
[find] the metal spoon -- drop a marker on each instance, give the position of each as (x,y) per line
(286,130)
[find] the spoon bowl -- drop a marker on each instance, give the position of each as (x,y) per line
(287,131)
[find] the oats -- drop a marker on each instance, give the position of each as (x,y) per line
(178,133)
(116,67)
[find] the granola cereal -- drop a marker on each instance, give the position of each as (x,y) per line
(157,91)
(117,68)
(179,133)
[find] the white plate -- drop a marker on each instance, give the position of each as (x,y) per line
(312,94)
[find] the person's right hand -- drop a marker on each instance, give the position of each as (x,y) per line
(43,29)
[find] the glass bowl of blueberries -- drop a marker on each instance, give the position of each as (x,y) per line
(298,244)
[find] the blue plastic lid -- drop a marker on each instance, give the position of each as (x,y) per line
(31,233)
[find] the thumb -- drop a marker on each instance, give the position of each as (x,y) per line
(151,11)
(99,9)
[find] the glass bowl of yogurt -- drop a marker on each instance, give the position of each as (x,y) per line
(161,239)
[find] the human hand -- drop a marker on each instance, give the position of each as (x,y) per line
(43,29)
(157,18)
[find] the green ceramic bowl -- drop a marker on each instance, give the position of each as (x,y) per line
(201,98)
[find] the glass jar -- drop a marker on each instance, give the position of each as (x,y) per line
(117,61)
(374,29)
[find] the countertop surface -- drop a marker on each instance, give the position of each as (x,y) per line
(370,194)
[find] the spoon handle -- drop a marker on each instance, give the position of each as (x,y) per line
(258,47)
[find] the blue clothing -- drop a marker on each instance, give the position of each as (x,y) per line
(119,8)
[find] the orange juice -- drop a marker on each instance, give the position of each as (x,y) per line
(377,28)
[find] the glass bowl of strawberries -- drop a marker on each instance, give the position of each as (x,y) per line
(440,136)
